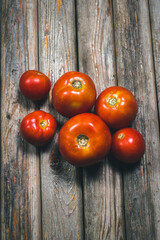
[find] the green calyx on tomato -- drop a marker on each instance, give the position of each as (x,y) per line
(43,124)
(112,101)
(39,73)
(121,136)
(77,84)
(82,140)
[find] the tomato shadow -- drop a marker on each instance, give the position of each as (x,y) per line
(94,171)
(47,101)
(122,167)
(35,105)
(27,150)
(62,170)
(59,167)
(26,103)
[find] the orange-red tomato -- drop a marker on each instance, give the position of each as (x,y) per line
(34,85)
(84,140)
(73,93)
(128,145)
(117,107)
(38,127)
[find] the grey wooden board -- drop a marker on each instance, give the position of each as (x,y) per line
(117,43)
(103,192)
(20,182)
(154,7)
(60,182)
(135,71)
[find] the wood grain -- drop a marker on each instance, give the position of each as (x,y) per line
(42,196)
(135,71)
(154,7)
(103,195)
(20,182)
(60,182)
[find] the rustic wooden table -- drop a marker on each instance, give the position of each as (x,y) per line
(115,43)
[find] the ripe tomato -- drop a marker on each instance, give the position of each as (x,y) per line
(38,127)
(128,145)
(117,107)
(84,140)
(34,85)
(73,93)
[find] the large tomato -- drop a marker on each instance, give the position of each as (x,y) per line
(117,107)
(84,140)
(73,93)
(128,145)
(34,85)
(38,127)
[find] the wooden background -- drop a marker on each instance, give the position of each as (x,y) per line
(115,43)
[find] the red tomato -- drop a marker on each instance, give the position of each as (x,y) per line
(73,93)
(117,107)
(128,145)
(34,85)
(84,140)
(38,128)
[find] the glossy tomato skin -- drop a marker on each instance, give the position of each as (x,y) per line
(80,151)
(73,93)
(38,127)
(34,85)
(117,107)
(128,145)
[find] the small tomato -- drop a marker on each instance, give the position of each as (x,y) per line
(34,85)
(84,140)
(38,127)
(128,145)
(73,93)
(117,107)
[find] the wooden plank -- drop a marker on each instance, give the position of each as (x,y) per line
(61,187)
(135,71)
(103,196)
(20,182)
(154,7)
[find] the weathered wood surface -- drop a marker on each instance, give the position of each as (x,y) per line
(154,8)
(20,180)
(135,71)
(42,196)
(103,193)
(61,187)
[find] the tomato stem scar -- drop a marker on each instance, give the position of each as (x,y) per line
(112,101)
(43,124)
(76,84)
(121,135)
(82,140)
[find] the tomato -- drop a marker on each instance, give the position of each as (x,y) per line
(128,145)
(38,127)
(34,85)
(73,93)
(117,107)
(84,140)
